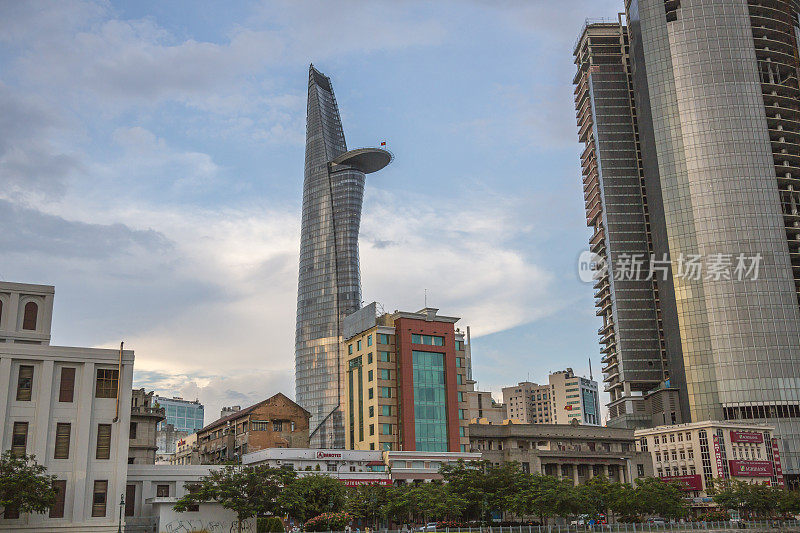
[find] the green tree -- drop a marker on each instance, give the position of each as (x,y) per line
(762,500)
(789,502)
(247,491)
(654,496)
(24,486)
(481,486)
(730,494)
(599,495)
(368,502)
(312,495)
(544,497)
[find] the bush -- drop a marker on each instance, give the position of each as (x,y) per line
(270,524)
(328,522)
(713,516)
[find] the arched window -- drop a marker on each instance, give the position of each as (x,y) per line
(30,316)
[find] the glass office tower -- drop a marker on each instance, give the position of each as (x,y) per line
(329,286)
(714,110)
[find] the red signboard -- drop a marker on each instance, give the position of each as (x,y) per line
(689,482)
(747,436)
(357,482)
(750,468)
(776,460)
(718,457)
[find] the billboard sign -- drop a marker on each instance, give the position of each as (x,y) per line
(742,468)
(688,482)
(747,436)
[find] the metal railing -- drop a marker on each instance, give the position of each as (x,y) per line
(754,526)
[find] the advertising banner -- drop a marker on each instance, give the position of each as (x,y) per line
(743,468)
(747,436)
(689,482)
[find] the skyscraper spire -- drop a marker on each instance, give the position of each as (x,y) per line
(329,285)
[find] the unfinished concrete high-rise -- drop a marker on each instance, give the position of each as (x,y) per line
(690,115)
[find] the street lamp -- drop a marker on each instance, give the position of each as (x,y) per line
(121,509)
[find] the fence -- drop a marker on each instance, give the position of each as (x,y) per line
(772,526)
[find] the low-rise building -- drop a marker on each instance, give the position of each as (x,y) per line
(483,409)
(186,452)
(696,453)
(67,406)
(569,451)
(276,422)
(417,466)
(183,417)
(145,417)
(405,381)
(352,467)
(153,490)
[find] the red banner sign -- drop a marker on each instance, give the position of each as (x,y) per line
(747,436)
(776,460)
(750,468)
(357,482)
(718,457)
(689,482)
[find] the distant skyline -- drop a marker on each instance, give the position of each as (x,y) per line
(151,168)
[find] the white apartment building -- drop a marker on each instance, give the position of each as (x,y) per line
(483,409)
(696,453)
(574,398)
(411,466)
(566,399)
(352,467)
(70,407)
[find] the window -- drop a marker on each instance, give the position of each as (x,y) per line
(57,510)
(386,392)
(386,410)
(462,414)
(386,429)
(383,356)
(25,383)
(369,375)
(99,498)
(277,425)
(463,447)
(370,393)
(383,338)
(107,383)
(350,349)
(66,390)
(385,373)
(358,345)
(19,438)
(372,429)
(371,411)
(387,446)
(430,340)
(30,316)
(192,489)
(462,431)
(130,500)
(103,442)
(62,441)
(460,345)
(460,379)
(132,433)
(640,470)
(369,340)
(691,453)
(369,358)
(459,362)
(162,491)
(460,396)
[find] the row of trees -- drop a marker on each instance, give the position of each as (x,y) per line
(471,492)
(754,500)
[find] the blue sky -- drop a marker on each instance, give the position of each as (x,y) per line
(151,165)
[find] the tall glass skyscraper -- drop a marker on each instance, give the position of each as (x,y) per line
(690,115)
(329,286)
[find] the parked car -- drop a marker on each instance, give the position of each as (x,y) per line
(657,521)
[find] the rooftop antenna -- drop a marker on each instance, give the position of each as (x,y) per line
(590,369)
(426,298)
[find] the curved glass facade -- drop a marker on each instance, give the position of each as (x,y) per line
(329,286)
